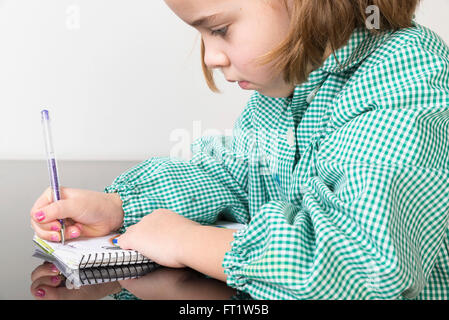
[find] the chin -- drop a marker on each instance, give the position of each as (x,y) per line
(272,94)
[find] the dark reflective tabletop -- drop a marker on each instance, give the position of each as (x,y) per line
(21,183)
(159,284)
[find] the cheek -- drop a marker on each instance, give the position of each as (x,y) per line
(247,48)
(243,58)
(248,69)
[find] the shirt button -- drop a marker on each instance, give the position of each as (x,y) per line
(312,95)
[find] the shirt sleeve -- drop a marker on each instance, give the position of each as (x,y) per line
(212,184)
(374,211)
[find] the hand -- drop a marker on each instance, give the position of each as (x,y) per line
(159,236)
(48,284)
(85,213)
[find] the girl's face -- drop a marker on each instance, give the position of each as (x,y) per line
(236,33)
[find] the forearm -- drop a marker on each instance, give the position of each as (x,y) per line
(203,250)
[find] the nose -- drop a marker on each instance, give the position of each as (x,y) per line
(214,57)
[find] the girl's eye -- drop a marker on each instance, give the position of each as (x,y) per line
(219,32)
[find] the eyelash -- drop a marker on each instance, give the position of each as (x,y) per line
(219,32)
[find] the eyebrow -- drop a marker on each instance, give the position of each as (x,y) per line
(205,20)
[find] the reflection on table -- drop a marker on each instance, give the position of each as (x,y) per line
(158,284)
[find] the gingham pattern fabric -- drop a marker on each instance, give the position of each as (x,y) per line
(343,187)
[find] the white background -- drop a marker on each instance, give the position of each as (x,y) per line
(121,78)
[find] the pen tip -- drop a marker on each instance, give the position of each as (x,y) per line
(44,114)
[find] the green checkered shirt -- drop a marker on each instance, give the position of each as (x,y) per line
(343,187)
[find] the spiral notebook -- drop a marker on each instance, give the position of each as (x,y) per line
(92,276)
(95,260)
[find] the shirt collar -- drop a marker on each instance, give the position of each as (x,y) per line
(359,46)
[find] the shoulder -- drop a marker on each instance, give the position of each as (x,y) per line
(413,48)
(408,70)
(406,76)
(422,38)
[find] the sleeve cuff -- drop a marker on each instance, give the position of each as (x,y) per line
(128,193)
(235,260)
(250,242)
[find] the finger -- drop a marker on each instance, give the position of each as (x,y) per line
(70,232)
(45,209)
(55,225)
(44,199)
(45,292)
(122,242)
(45,234)
(51,226)
(58,210)
(125,240)
(49,281)
(45,269)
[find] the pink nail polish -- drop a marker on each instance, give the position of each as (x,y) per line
(54,269)
(55,279)
(54,228)
(54,237)
(74,234)
(40,293)
(39,216)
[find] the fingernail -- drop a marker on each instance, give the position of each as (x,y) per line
(55,279)
(74,234)
(39,216)
(55,228)
(40,293)
(54,268)
(54,237)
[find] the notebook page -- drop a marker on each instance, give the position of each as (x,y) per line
(229,225)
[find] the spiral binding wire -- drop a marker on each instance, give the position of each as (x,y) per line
(122,272)
(97,260)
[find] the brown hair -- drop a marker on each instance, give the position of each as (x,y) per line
(321,25)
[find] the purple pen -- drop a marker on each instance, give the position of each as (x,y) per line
(51,162)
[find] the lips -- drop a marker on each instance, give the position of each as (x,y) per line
(244,84)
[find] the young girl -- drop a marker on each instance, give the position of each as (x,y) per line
(338,165)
